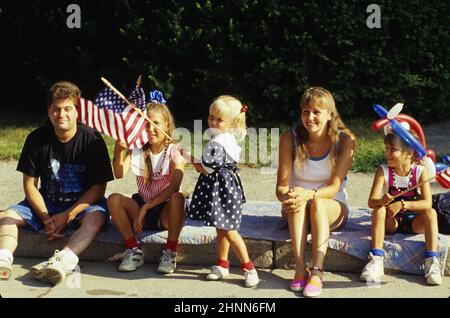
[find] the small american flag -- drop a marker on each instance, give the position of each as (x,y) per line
(443,178)
(137,97)
(115,118)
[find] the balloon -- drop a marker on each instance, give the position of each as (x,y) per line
(446,159)
(443,178)
(407,138)
(388,129)
(394,111)
(415,126)
(431,154)
(379,123)
(380,111)
(402,132)
(440,166)
(429,165)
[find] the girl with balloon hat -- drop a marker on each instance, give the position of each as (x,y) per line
(401,201)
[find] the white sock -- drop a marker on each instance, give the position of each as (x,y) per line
(69,259)
(6,254)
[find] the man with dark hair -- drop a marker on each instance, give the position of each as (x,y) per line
(72,163)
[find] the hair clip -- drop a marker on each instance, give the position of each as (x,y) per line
(244,108)
(157,96)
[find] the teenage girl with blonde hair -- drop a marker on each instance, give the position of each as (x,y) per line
(314,159)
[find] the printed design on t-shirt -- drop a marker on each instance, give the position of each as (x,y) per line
(65,183)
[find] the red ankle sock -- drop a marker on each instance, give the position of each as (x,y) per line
(131,243)
(223,263)
(248,266)
(172,245)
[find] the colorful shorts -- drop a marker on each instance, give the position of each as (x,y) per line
(405,220)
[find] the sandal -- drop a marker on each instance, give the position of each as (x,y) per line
(298,284)
(314,286)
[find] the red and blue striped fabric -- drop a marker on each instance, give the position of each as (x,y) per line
(115,118)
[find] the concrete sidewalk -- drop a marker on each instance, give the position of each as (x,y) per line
(100,279)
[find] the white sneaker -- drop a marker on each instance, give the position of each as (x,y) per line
(5,269)
(54,270)
(433,271)
(131,260)
(374,270)
(251,278)
(218,272)
(167,262)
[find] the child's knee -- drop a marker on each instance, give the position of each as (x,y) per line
(430,214)
(177,202)
(114,201)
(391,226)
(177,197)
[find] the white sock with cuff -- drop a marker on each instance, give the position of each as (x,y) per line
(6,255)
(69,259)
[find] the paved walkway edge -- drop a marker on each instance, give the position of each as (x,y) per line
(264,253)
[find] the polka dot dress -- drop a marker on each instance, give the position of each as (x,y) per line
(218,196)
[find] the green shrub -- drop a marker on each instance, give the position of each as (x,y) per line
(264,52)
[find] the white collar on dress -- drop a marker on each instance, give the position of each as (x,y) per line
(229,142)
(138,163)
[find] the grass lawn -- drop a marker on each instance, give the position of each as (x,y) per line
(369,152)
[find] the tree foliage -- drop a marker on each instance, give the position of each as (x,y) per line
(264,52)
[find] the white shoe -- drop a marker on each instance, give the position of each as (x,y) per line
(54,270)
(433,271)
(374,270)
(167,262)
(5,269)
(251,278)
(131,260)
(218,272)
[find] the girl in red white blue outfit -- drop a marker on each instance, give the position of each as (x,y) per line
(410,213)
(159,203)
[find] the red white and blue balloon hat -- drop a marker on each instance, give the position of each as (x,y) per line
(400,124)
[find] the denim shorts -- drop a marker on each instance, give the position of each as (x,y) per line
(153,215)
(27,213)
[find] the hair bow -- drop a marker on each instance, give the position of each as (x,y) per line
(244,108)
(157,96)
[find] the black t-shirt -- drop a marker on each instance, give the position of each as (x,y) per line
(66,170)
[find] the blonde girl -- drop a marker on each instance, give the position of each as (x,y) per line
(218,196)
(158,204)
(314,159)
